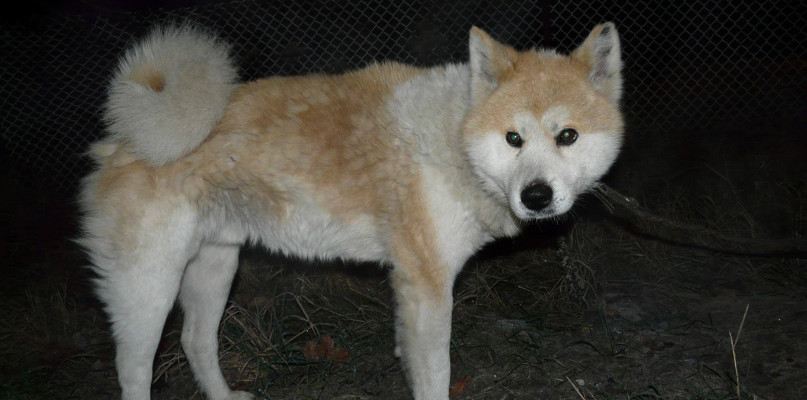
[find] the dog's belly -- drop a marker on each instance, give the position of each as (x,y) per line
(311,233)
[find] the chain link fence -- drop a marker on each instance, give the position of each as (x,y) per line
(687,64)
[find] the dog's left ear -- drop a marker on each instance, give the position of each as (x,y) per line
(601,53)
(490,62)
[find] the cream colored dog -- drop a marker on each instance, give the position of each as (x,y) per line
(414,168)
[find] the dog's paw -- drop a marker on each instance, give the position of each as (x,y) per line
(239,395)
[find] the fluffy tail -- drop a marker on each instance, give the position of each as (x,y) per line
(169,92)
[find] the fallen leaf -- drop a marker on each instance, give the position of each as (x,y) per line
(338,355)
(327,344)
(312,351)
(324,350)
(459,386)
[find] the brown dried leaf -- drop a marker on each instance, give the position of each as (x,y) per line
(338,355)
(459,386)
(324,350)
(326,342)
(312,352)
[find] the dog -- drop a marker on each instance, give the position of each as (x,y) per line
(412,168)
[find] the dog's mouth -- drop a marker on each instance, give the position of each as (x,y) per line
(530,215)
(538,200)
(524,213)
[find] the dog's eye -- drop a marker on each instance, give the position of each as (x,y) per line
(514,139)
(566,137)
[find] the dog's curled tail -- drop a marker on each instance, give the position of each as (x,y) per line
(169,92)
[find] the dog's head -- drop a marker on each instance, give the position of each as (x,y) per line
(543,127)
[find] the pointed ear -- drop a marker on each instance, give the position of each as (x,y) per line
(489,61)
(601,53)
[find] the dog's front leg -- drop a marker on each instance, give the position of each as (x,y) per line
(423,330)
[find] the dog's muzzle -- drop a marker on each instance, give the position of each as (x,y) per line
(536,196)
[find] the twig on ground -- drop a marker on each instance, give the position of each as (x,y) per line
(733,342)
(683,233)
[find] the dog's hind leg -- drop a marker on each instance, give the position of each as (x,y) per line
(203,295)
(139,278)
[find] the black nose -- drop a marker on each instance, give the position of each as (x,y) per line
(536,196)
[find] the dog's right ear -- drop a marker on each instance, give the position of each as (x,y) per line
(490,62)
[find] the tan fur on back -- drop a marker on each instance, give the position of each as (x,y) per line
(314,129)
(282,140)
(329,133)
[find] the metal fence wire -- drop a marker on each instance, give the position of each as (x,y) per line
(687,64)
